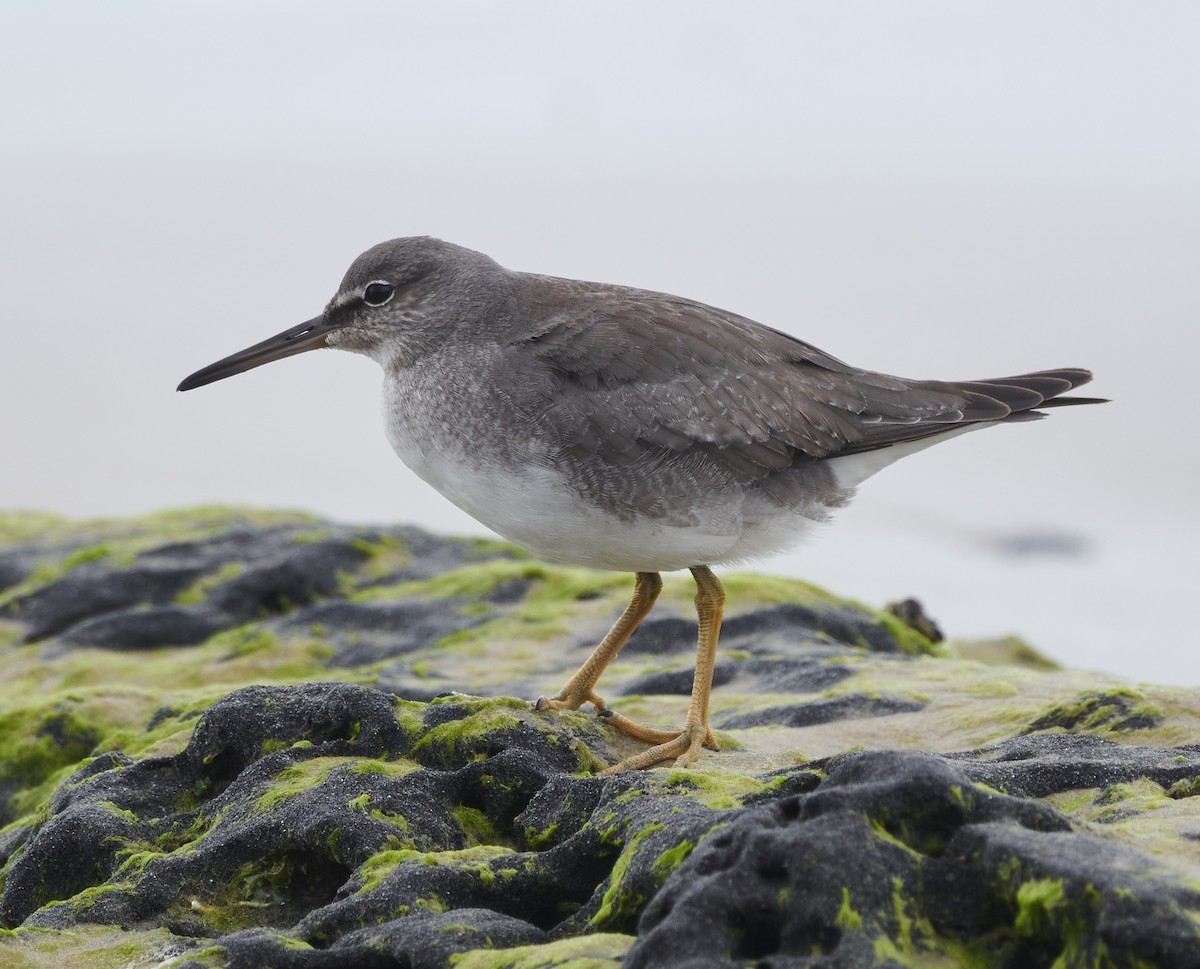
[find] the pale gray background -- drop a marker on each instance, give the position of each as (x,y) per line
(936,189)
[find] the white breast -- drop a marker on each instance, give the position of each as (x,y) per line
(464,445)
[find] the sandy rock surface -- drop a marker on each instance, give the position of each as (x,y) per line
(259,739)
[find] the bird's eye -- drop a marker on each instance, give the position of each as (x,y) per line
(378,293)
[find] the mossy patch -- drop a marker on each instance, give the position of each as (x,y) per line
(1186,788)
(599,950)
(1116,711)
(63,704)
(1009,651)
(297,779)
(847,919)
(198,591)
(386,555)
(475,734)
(386,768)
(671,859)
(910,938)
(477,829)
(712,787)
(43,741)
(90,946)
(548,610)
(621,905)
(48,572)
(476,858)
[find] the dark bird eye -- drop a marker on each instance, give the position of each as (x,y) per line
(378,293)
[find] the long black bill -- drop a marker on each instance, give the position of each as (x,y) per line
(306,336)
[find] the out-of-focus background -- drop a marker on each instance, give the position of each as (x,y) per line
(929,188)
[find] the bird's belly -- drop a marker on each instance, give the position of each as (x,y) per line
(634,520)
(535,507)
(536,510)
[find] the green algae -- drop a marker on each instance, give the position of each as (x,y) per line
(620,906)
(712,787)
(543,839)
(49,572)
(177,837)
(549,609)
(45,740)
(1023,692)
(1039,902)
(847,919)
(397,767)
(476,858)
(1111,711)
(485,718)
(471,736)
(666,863)
(1008,651)
(910,641)
(90,946)
(198,591)
(911,939)
(748,589)
(599,950)
(548,585)
(261,892)
(477,829)
(297,779)
(385,555)
(42,744)
(230,659)
(1185,788)
(93,895)
(18,527)
(118,541)
(410,717)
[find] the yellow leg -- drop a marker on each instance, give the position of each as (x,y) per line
(578,690)
(684,747)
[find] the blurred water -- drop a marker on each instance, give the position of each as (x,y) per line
(933,189)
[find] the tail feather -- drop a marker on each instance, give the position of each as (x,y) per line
(981,403)
(1025,393)
(984,403)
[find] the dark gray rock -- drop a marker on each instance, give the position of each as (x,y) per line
(349,830)
(901,847)
(854,705)
(365,632)
(143,628)
(807,672)
(1037,766)
(253,572)
(422,940)
(329,824)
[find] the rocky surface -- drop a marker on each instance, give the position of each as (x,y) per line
(253,739)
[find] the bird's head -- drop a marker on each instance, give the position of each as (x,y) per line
(399,300)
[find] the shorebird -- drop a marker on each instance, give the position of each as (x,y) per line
(623,429)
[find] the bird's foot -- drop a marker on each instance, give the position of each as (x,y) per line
(683,747)
(652,735)
(570,700)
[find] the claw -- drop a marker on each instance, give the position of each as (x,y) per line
(683,748)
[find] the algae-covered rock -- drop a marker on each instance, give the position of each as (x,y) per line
(260,739)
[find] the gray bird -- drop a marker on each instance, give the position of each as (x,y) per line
(622,429)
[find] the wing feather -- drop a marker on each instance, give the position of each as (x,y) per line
(638,375)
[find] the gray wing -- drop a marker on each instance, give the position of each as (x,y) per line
(636,373)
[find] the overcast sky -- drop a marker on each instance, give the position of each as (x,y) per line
(935,189)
